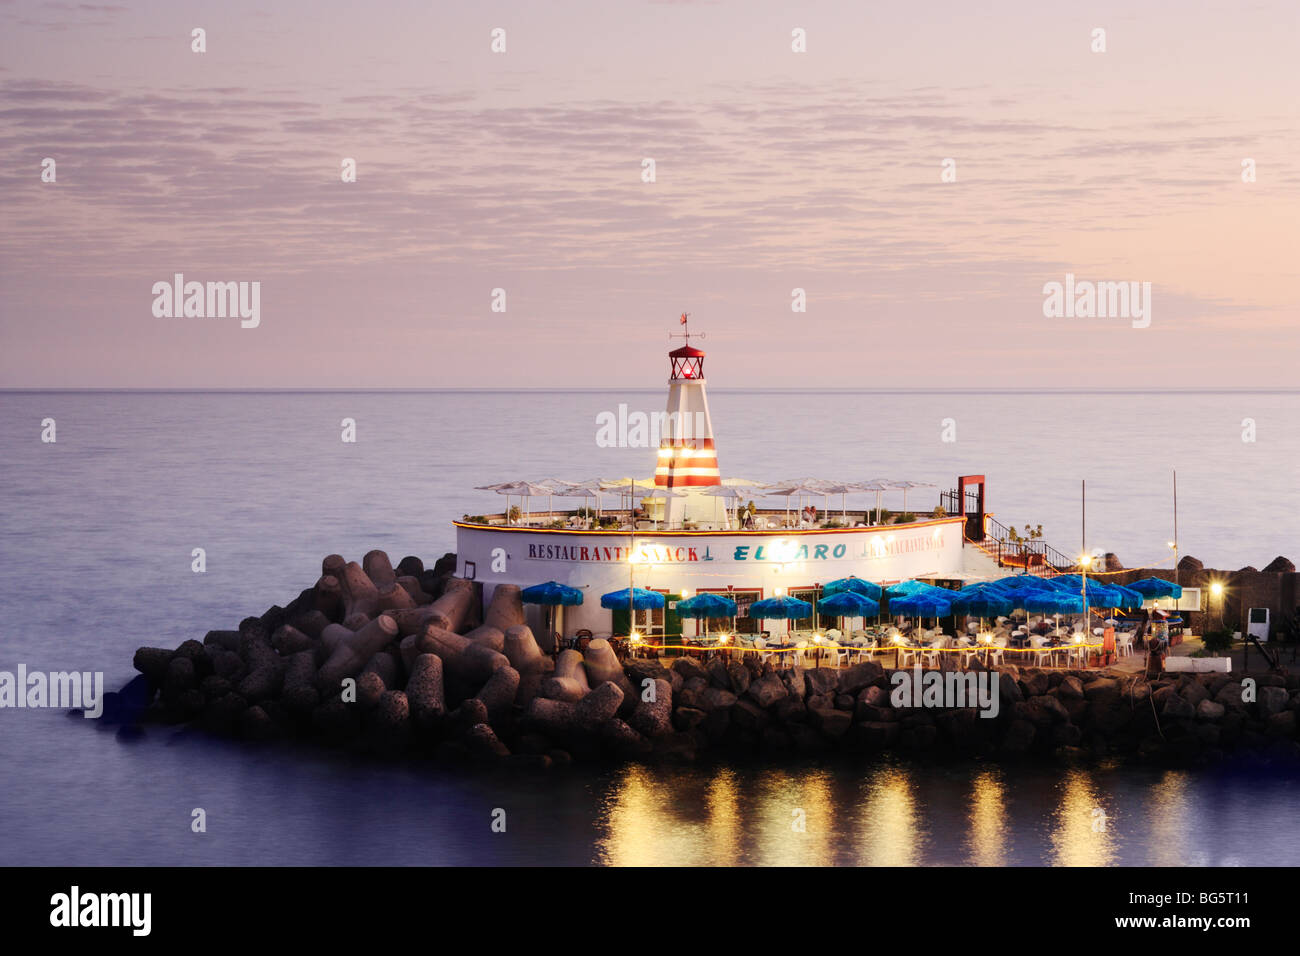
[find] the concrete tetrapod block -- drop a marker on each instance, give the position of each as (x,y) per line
(569,682)
(598,706)
(408,652)
(462,658)
(562,688)
(425,692)
(602,665)
(488,636)
(370,688)
(554,718)
(411,565)
(570,665)
(393,597)
(352,654)
(414,620)
(333,565)
(288,640)
(498,694)
(412,587)
(390,721)
(152,662)
(360,596)
(522,651)
(311,623)
(331,638)
(482,741)
(385,665)
(506,609)
(328,597)
(378,569)
(654,719)
(299,693)
(453,607)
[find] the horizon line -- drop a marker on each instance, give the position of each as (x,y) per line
(545,389)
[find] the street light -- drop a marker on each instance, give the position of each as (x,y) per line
(1216,594)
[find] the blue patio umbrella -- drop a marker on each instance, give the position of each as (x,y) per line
(1013,581)
(552,593)
(921,605)
(907,588)
(979,601)
(1156,588)
(779,608)
(1048,601)
(1129,599)
(639,600)
(705,605)
(848,604)
(853,586)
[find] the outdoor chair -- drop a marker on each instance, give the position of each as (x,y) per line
(1042,653)
(933,654)
(994,653)
(907,654)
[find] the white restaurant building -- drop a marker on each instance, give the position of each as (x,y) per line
(697,548)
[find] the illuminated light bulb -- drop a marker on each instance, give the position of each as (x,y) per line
(1216,588)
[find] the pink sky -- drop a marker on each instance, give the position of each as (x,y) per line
(775,170)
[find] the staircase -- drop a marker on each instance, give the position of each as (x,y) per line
(1033,557)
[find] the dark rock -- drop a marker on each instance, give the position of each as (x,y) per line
(689,667)
(1282,724)
(747,715)
(715,698)
(739,676)
(767,690)
(821,681)
(687,718)
(864,674)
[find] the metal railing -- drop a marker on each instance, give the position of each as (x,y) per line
(1036,557)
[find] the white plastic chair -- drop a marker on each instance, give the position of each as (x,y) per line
(1043,653)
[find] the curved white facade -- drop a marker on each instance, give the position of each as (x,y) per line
(597,562)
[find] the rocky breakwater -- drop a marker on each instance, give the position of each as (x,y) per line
(408,660)
(1039,714)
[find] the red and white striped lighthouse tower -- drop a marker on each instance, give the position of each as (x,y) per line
(688,456)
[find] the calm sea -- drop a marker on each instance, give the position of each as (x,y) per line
(97,529)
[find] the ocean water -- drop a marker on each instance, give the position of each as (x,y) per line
(97,530)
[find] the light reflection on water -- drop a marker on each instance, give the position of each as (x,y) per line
(899,815)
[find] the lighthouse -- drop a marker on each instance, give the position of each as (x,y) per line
(688,456)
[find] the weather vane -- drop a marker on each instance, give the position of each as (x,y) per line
(686,330)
